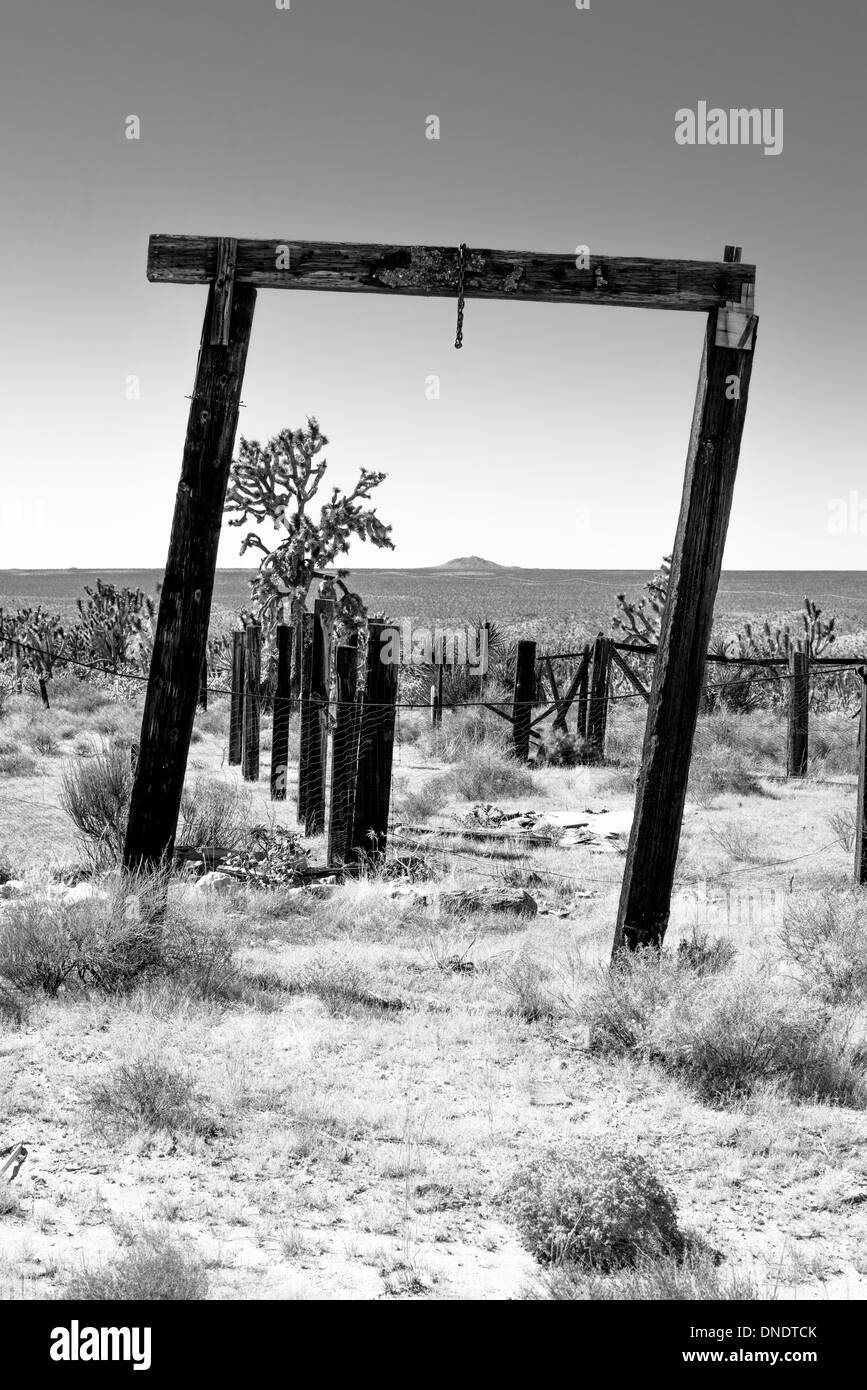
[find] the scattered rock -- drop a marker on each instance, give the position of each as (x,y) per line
(85,892)
(13,888)
(468,900)
(215,882)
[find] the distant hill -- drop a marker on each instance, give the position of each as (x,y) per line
(471,564)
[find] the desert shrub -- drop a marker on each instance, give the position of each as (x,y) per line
(730,1036)
(341,983)
(725,1034)
(826,937)
(428,800)
(560,749)
(95,792)
(17,764)
(39,949)
(13,1008)
(591,1204)
(617,1003)
(695,1277)
(214,813)
(110,945)
(706,955)
(151,1094)
(487,775)
(531,990)
(464,733)
(717,770)
(156,1268)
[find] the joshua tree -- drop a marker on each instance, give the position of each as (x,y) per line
(277,482)
(642,619)
(115,624)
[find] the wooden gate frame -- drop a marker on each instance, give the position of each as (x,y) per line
(234,270)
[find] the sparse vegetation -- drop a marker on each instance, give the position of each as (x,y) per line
(150,1093)
(156,1268)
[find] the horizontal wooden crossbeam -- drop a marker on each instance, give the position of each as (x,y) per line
(361,267)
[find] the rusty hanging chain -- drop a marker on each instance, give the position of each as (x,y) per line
(462,264)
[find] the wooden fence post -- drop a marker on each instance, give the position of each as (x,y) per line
(236,699)
(280,725)
(375,747)
(583,690)
(317,721)
(252,701)
(203,685)
(344,751)
(188,584)
(861,819)
(525,691)
(798,743)
(679,672)
(597,703)
(304,670)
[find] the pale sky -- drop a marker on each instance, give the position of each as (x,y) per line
(560,434)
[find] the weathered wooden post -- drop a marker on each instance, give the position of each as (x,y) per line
(188,584)
(369,834)
(280,726)
(344,751)
(524,695)
(304,669)
(203,685)
(317,723)
(798,742)
(861,818)
(678,677)
(252,701)
(236,699)
(597,702)
(583,690)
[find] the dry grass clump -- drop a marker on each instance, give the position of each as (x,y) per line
(653,1278)
(490,775)
(463,733)
(341,983)
(95,792)
(532,990)
(727,1034)
(150,1094)
(844,824)
(214,814)
(156,1268)
(14,763)
(110,945)
(717,770)
(591,1204)
(825,935)
(427,800)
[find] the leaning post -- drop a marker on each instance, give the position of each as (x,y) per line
(185,601)
(678,676)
